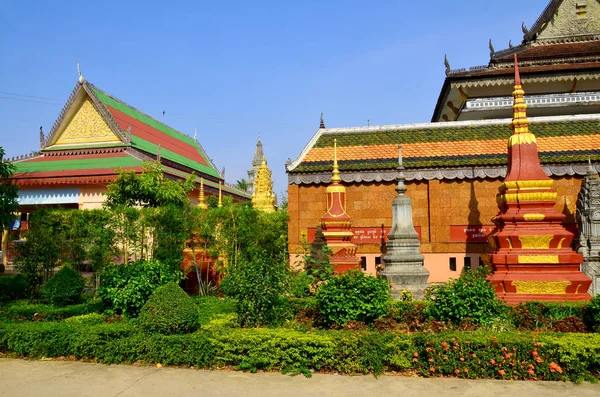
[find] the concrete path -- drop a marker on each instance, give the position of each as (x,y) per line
(65,378)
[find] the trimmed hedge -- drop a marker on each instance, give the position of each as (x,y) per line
(479,354)
(25,311)
(250,349)
(508,355)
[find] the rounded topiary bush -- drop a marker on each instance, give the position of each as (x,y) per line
(64,288)
(353,297)
(169,311)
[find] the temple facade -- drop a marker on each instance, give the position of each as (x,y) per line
(455,164)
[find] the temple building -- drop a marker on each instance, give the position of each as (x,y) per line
(455,164)
(96,133)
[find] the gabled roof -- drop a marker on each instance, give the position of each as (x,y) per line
(543,19)
(560,140)
(134,129)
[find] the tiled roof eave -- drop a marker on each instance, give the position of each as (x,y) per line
(449,173)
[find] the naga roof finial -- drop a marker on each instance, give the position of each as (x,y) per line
(492,51)
(81,78)
(447,64)
(524,28)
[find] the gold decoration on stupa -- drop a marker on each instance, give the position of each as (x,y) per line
(263,198)
(201,200)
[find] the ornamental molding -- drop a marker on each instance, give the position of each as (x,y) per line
(432,174)
(490,82)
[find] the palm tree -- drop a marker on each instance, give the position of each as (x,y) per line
(242,184)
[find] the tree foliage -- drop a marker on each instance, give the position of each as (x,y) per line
(148,189)
(8,192)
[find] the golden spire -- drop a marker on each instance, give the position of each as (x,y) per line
(520,122)
(335,175)
(201,202)
(263,198)
(220,198)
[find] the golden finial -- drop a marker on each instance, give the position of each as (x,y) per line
(520,121)
(201,202)
(220,198)
(335,175)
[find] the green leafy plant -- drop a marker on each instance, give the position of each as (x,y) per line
(258,287)
(8,195)
(126,288)
(353,297)
(591,316)
(65,287)
(86,319)
(12,287)
(22,310)
(169,311)
(469,297)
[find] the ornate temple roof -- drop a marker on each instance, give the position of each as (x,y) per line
(467,149)
(96,133)
(565,39)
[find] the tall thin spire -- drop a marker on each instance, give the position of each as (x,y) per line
(401,188)
(201,201)
(322,124)
(335,175)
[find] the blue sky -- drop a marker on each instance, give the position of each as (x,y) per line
(231,68)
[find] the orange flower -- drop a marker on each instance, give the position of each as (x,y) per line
(457,371)
(432,369)
(444,344)
(462,359)
(415,360)
(416,354)
(493,362)
(445,358)
(501,372)
(466,370)
(430,360)
(554,367)
(428,349)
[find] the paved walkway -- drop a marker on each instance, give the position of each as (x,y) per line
(65,378)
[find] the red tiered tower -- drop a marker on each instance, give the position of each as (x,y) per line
(337,225)
(532,258)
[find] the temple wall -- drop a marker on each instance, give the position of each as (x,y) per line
(91,197)
(444,212)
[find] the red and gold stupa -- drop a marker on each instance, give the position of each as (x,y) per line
(532,258)
(337,225)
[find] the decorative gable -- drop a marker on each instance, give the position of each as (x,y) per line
(571,18)
(86,126)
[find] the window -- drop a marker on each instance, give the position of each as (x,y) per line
(467,263)
(363,263)
(377,260)
(452,264)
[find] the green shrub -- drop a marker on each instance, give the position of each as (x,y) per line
(591,316)
(301,285)
(13,287)
(64,288)
(353,297)
(211,306)
(169,311)
(469,297)
(220,321)
(23,310)
(126,288)
(258,288)
(86,319)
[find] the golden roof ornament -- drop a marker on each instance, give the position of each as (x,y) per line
(220,196)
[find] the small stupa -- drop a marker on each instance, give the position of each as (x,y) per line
(201,198)
(263,198)
(337,225)
(403,261)
(532,257)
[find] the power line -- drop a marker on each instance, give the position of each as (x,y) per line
(30,101)
(28,96)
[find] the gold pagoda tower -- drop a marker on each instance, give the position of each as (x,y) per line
(263,198)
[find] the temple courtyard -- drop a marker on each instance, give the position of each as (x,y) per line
(66,378)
